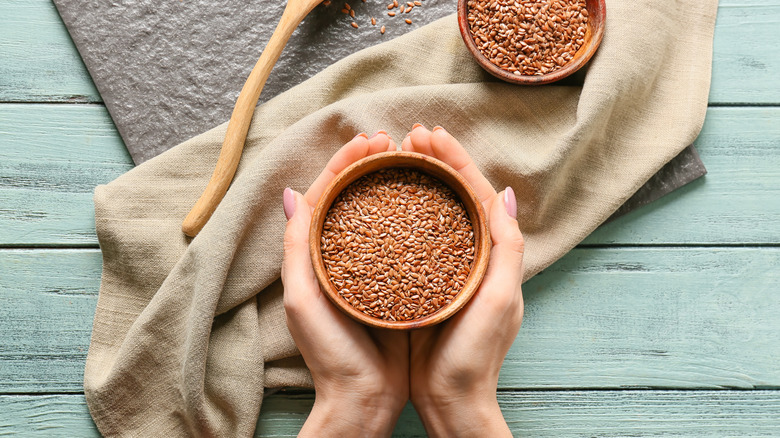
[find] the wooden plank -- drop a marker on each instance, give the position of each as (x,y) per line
(660,317)
(48,303)
(535,413)
(599,318)
(738,201)
(53,156)
(743,52)
(38,61)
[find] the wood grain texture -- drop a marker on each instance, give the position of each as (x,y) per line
(738,201)
(744,69)
(599,318)
(47,302)
(54,155)
(38,61)
(744,57)
(536,414)
(241,118)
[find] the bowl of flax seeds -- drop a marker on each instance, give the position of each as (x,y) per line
(399,240)
(531,41)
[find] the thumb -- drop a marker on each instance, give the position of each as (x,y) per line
(506,256)
(297,271)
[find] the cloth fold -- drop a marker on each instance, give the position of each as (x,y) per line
(189,332)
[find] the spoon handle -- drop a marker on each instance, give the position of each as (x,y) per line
(237,129)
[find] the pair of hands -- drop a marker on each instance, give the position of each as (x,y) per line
(364,376)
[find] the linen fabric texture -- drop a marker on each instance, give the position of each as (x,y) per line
(189,332)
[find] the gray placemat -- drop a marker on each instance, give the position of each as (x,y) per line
(168,71)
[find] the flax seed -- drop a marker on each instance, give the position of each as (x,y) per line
(373,21)
(355,25)
(392,14)
(534,36)
(382,30)
(409,264)
(408,21)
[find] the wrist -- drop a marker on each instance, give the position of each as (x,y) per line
(476,415)
(352,414)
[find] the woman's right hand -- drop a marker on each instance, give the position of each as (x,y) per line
(454,366)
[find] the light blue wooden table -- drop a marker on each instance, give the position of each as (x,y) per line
(663,323)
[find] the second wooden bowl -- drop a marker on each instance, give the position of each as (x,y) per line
(432,167)
(597,14)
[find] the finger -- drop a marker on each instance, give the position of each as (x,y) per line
(446,148)
(406,144)
(378,142)
(354,150)
(421,140)
(391,147)
(298,275)
(500,293)
(499,297)
(506,256)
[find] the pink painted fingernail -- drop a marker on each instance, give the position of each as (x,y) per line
(362,134)
(437,127)
(416,125)
(289,203)
(510,202)
(377,133)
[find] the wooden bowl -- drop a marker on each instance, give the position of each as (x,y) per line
(597,13)
(432,167)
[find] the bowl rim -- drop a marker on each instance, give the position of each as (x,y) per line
(419,162)
(567,70)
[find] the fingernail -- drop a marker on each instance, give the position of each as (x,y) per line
(437,127)
(416,125)
(377,133)
(362,134)
(289,203)
(510,202)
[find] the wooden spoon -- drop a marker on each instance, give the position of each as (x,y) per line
(230,155)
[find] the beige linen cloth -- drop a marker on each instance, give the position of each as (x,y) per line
(189,332)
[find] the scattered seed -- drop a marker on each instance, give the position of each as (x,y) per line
(345,11)
(395,3)
(326,3)
(352,13)
(390,6)
(355,25)
(392,14)
(418,3)
(408,21)
(382,30)
(347,6)
(397,244)
(373,21)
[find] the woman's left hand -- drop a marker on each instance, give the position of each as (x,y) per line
(360,374)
